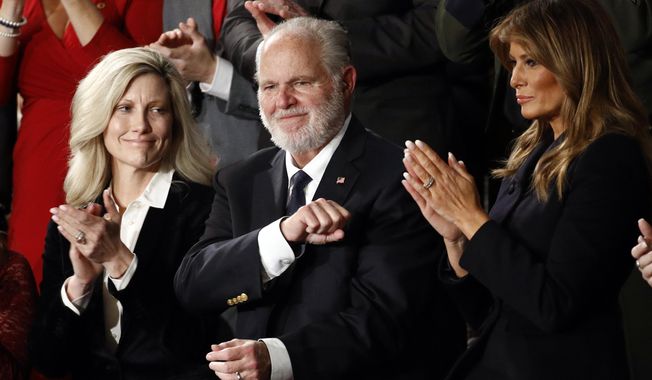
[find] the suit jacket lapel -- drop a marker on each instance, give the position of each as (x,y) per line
(341,175)
(269,205)
(157,219)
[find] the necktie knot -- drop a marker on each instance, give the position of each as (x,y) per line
(297,197)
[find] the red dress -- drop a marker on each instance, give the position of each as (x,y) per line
(48,69)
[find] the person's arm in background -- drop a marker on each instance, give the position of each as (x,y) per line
(633,21)
(463,26)
(188,50)
(10,10)
(404,42)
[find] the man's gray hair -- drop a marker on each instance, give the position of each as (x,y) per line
(328,35)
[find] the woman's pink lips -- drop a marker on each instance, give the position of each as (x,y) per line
(521,99)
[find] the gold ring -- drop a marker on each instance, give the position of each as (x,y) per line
(429,183)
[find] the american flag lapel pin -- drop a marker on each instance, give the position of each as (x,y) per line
(340,180)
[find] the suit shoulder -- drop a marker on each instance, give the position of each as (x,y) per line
(254,162)
(613,141)
(189,192)
(201,191)
(615,147)
(382,144)
(613,155)
(383,151)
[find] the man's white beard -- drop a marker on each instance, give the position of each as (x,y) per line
(323,124)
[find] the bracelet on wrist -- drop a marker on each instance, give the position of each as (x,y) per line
(13,24)
(9,35)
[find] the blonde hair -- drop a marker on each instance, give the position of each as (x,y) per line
(89,169)
(576,41)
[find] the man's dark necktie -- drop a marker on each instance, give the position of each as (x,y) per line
(297,197)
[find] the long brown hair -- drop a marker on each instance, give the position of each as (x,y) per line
(576,41)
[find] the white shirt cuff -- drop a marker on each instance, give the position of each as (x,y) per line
(122,282)
(279,359)
(276,255)
(79,304)
(221,86)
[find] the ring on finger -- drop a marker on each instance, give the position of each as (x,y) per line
(80,237)
(429,183)
(107,217)
(638,265)
(238,376)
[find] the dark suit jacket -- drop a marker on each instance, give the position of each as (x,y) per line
(555,269)
(406,89)
(365,307)
(159,340)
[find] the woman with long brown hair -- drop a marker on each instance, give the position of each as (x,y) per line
(539,275)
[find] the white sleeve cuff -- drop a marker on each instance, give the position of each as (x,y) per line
(276,255)
(79,304)
(279,359)
(122,282)
(221,86)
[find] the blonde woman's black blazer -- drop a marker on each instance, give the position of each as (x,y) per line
(159,339)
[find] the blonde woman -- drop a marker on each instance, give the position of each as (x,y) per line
(539,276)
(137,197)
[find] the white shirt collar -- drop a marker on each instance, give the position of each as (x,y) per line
(156,192)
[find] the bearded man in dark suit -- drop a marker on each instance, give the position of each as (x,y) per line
(333,274)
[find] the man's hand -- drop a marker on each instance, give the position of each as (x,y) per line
(240,359)
(187,49)
(286,9)
(319,222)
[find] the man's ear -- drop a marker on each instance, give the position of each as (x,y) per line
(349,76)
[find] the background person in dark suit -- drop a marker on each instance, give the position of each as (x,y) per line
(540,274)
(107,308)
(344,287)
